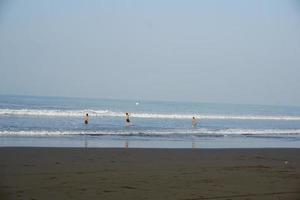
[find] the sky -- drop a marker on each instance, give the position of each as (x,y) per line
(232,51)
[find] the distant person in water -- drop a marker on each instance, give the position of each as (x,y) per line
(127,119)
(194,122)
(86,118)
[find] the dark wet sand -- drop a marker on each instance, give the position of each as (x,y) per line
(70,173)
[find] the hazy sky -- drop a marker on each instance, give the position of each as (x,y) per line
(205,51)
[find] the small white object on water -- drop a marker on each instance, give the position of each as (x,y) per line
(137,103)
(286,162)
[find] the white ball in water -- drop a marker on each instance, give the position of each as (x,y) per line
(137,103)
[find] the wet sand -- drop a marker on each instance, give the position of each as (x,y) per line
(190,174)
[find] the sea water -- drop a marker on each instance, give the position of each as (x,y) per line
(59,122)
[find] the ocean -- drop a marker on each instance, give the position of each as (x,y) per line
(59,122)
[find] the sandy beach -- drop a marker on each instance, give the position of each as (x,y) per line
(78,173)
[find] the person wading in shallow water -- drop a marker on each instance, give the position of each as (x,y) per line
(86,118)
(127,119)
(194,122)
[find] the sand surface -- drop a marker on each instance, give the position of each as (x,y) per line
(185,174)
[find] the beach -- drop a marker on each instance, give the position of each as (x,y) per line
(120,173)
(149,100)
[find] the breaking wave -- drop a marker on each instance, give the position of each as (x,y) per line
(198,132)
(108,113)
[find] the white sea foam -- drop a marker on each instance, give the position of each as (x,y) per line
(57,113)
(108,113)
(197,132)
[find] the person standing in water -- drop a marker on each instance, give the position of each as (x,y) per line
(127,119)
(86,118)
(194,122)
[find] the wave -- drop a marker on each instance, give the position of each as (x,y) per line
(198,132)
(108,113)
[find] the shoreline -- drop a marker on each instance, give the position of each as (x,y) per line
(145,173)
(205,142)
(149,148)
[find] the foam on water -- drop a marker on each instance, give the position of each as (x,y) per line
(108,113)
(197,132)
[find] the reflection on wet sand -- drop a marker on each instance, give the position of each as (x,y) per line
(85,141)
(126,145)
